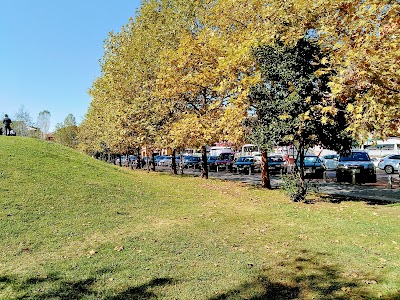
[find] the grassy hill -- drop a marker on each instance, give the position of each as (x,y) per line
(73,227)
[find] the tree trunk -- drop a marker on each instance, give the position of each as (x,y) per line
(147,161)
(138,159)
(181,163)
(153,167)
(265,180)
(301,195)
(204,166)
(173,164)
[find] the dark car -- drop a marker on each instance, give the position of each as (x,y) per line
(211,162)
(247,164)
(159,158)
(192,162)
(355,166)
(224,161)
(313,166)
(276,164)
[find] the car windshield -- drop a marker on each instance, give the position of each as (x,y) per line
(245,159)
(225,156)
(212,158)
(311,159)
(355,156)
(275,158)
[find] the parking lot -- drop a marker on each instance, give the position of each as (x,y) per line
(380,191)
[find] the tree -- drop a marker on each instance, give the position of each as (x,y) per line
(363,37)
(66,133)
(289,102)
(123,96)
(21,122)
(267,127)
(43,123)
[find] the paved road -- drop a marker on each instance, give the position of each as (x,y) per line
(379,191)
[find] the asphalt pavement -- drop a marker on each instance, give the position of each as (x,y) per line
(382,191)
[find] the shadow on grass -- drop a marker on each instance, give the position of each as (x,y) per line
(78,289)
(343,198)
(143,291)
(304,277)
(273,290)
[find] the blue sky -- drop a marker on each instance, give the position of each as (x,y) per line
(50,51)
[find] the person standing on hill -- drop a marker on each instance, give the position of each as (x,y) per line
(7,124)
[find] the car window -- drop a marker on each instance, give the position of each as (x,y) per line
(355,156)
(275,158)
(311,159)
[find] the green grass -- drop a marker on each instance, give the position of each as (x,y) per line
(73,227)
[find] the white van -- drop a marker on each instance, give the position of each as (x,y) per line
(381,148)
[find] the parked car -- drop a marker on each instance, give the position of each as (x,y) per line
(277,164)
(389,163)
(211,162)
(192,162)
(376,161)
(355,166)
(247,164)
(313,166)
(398,168)
(330,161)
(159,158)
(126,162)
(167,161)
(224,161)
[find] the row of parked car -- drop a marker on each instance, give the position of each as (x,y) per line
(224,161)
(353,166)
(227,161)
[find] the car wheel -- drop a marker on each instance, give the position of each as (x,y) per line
(339,178)
(389,169)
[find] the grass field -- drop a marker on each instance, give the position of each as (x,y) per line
(73,227)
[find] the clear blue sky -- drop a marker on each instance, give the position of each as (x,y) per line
(50,51)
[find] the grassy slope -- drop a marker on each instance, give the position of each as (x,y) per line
(76,228)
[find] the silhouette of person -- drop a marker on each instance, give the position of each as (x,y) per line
(7,124)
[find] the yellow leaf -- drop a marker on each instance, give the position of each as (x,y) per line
(350,107)
(324,61)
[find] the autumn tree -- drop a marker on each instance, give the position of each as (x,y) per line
(66,133)
(123,96)
(363,37)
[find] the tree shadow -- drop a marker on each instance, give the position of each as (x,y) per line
(142,291)
(305,277)
(77,289)
(272,290)
(343,198)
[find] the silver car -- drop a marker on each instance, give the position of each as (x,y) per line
(390,163)
(330,161)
